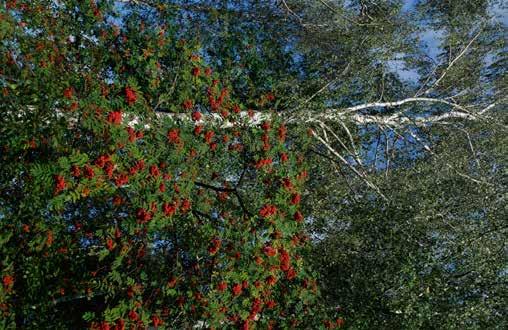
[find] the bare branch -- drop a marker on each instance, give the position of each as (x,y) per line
(473,153)
(290,11)
(427,148)
(335,11)
(345,162)
(487,108)
(354,153)
(436,83)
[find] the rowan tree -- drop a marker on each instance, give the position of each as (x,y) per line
(135,189)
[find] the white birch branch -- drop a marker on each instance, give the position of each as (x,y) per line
(330,115)
(359,107)
(345,114)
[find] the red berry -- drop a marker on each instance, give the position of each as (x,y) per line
(115,117)
(237,289)
(130,95)
(196,116)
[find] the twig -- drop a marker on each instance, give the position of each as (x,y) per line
(428,149)
(291,11)
(471,147)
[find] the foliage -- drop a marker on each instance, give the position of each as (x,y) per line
(121,207)
(433,257)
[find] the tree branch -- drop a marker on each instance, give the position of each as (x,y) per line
(221,189)
(436,83)
(357,108)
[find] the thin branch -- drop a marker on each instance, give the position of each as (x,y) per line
(355,149)
(242,175)
(221,189)
(377,148)
(242,204)
(387,153)
(353,153)
(343,72)
(290,11)
(473,153)
(320,90)
(353,192)
(335,11)
(428,149)
(487,108)
(436,83)
(345,162)
(201,214)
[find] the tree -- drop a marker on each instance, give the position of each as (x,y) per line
(433,257)
(114,216)
(432,254)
